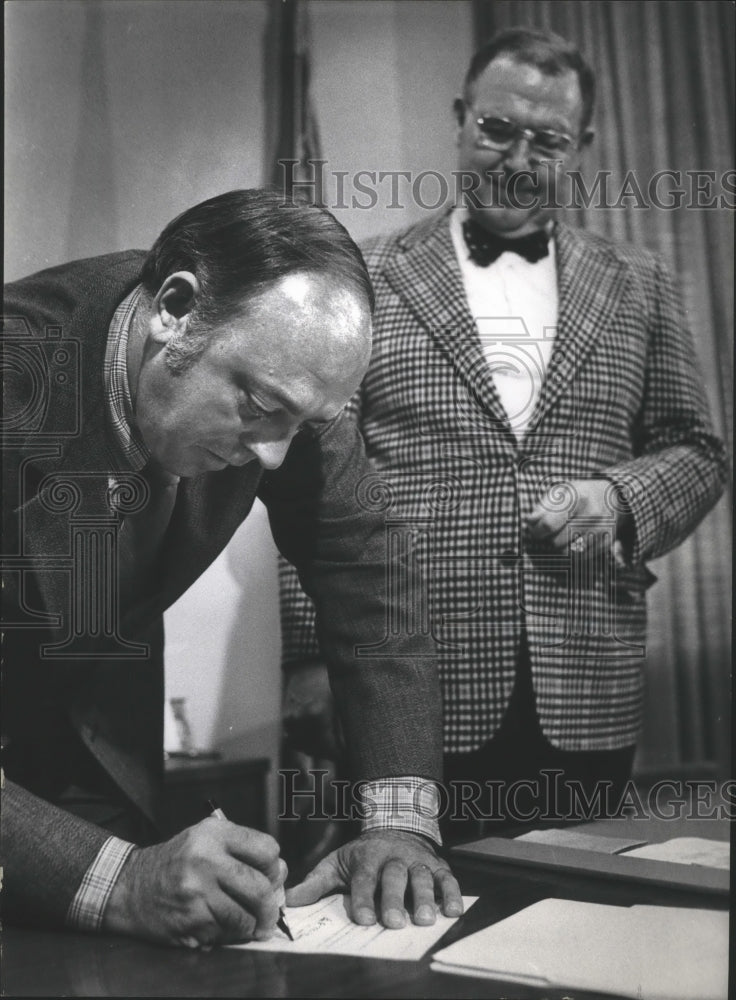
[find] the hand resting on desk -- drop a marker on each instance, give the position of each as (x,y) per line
(389,861)
(214,883)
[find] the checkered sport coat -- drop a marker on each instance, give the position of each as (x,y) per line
(622,400)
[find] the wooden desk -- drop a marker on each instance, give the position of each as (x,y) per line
(37,963)
(602,864)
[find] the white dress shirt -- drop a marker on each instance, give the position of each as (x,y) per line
(514,305)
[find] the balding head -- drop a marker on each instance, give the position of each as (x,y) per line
(293,352)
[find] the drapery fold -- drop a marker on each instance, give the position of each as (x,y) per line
(292,122)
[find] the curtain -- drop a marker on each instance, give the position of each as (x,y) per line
(291,120)
(665,102)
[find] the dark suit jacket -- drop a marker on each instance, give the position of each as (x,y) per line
(80,674)
(622,399)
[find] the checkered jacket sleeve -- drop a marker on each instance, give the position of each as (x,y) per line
(679,467)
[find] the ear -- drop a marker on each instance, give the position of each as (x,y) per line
(459,110)
(172,306)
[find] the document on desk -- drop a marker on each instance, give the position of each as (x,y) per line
(325,928)
(687,851)
(647,952)
(581,840)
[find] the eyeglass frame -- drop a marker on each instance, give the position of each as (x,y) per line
(520,132)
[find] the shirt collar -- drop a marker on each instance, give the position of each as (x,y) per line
(126,438)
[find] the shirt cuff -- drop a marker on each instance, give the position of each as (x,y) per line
(88,906)
(406,803)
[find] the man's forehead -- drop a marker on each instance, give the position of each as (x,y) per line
(304,314)
(507,80)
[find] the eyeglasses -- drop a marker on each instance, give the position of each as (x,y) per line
(501,133)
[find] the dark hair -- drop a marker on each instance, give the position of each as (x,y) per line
(550,53)
(239,242)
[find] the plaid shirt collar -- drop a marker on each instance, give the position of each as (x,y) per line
(126,438)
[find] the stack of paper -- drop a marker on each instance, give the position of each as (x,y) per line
(580,840)
(688,851)
(647,952)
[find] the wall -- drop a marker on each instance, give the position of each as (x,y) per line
(120,115)
(384,76)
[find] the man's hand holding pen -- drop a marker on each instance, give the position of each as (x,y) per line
(220,883)
(281,922)
(214,883)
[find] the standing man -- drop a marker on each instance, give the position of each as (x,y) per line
(534,394)
(148,399)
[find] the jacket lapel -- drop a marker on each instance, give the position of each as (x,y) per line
(208,511)
(590,284)
(427,277)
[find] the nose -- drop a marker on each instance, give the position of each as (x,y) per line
(271,454)
(520,154)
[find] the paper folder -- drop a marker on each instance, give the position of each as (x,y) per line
(646,952)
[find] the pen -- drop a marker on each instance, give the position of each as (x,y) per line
(281,922)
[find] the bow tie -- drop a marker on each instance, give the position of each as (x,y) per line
(485,247)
